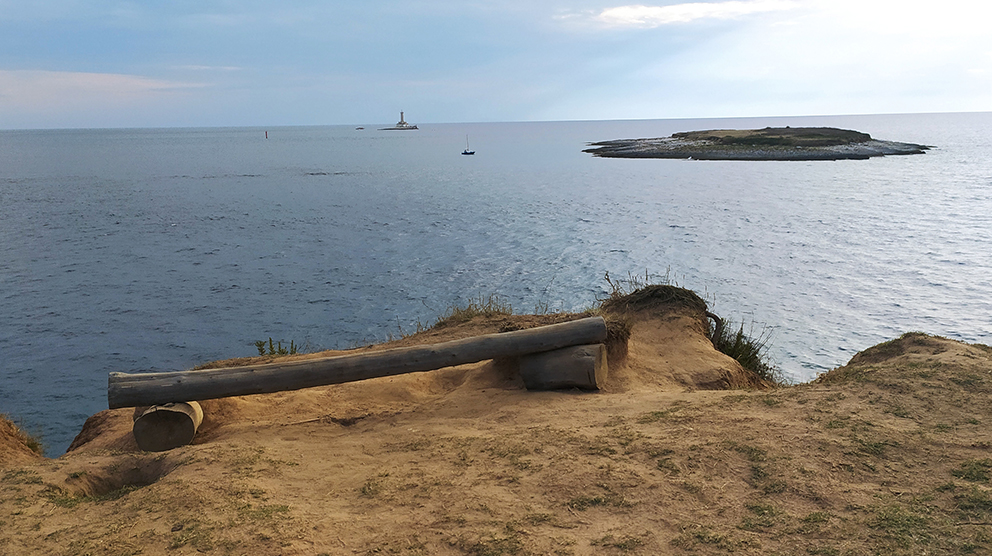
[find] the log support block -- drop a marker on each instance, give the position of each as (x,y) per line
(167,426)
(581,367)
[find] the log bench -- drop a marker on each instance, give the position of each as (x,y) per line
(565,355)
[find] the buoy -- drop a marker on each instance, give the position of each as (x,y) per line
(266,134)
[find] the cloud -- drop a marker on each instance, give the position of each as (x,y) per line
(208,68)
(655,16)
(39,98)
(45,90)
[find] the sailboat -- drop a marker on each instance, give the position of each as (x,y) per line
(466,151)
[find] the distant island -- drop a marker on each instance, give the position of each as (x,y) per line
(770,143)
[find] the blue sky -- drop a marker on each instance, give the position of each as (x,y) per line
(155,63)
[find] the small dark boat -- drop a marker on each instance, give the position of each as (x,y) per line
(466,151)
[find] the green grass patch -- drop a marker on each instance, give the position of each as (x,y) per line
(974,503)
(899,411)
(752,453)
(22,477)
(816,517)
(625,543)
(974,470)
(61,497)
(688,540)
(748,349)
(762,516)
(901,525)
(276,348)
(583,503)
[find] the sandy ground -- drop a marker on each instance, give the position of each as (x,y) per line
(888,455)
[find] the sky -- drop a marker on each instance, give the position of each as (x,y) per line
(180,63)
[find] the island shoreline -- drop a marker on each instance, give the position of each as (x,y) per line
(771,144)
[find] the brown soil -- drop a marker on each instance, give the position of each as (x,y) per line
(887,455)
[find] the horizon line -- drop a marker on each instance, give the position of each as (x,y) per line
(284,126)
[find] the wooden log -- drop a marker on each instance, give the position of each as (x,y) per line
(582,367)
(164,427)
(136,389)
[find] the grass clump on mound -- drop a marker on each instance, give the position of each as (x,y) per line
(491,306)
(750,350)
(636,293)
(910,342)
(9,429)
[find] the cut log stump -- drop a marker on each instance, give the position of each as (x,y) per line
(167,426)
(583,367)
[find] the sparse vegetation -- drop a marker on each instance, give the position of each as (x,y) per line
(974,470)
(194,533)
(275,348)
(749,349)
(374,485)
(625,543)
(492,305)
(33,442)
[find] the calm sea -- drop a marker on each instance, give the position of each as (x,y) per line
(158,249)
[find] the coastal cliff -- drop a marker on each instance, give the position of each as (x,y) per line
(779,143)
(682,452)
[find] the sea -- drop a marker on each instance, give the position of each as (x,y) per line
(159,249)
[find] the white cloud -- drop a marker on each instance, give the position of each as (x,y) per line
(47,90)
(922,19)
(656,16)
(43,99)
(209,68)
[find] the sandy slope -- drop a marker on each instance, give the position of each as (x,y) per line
(887,455)
(13,445)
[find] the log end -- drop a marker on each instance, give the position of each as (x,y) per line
(584,367)
(164,427)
